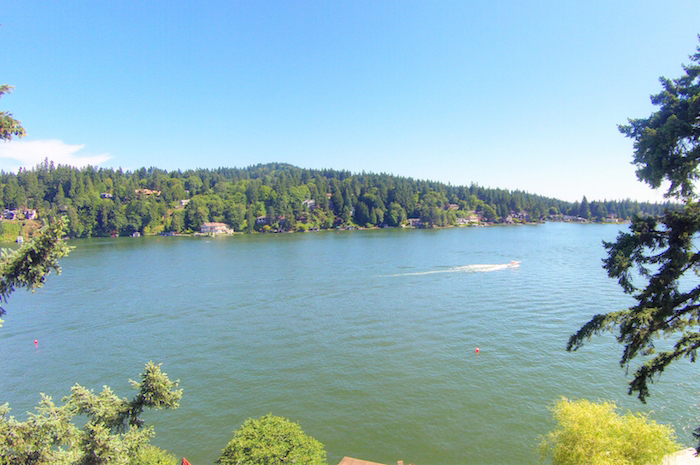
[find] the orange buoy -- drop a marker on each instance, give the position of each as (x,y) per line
(477,350)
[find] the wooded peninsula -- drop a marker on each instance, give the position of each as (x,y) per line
(272,197)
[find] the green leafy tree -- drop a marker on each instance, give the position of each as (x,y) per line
(272,440)
(396,215)
(196,214)
(236,216)
(28,266)
(593,433)
(111,432)
(177,221)
(573,210)
(651,261)
(599,211)
(9,126)
(489,213)
(337,200)
(362,216)
(249,220)
(372,219)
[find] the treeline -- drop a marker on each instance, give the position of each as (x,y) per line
(272,197)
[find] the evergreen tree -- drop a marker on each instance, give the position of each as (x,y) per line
(9,126)
(584,210)
(652,260)
(29,265)
(113,431)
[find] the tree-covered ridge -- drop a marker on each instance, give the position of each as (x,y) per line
(271,197)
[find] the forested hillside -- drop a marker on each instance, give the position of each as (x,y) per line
(272,197)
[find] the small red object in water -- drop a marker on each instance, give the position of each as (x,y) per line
(36,342)
(477,350)
(185,461)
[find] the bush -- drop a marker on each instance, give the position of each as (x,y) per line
(592,433)
(271,440)
(152,455)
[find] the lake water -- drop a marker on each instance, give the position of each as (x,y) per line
(366,338)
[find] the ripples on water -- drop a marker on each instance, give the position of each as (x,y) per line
(366,338)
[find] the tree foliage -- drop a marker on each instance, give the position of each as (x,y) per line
(9,126)
(106,202)
(271,440)
(593,433)
(652,262)
(112,431)
(28,266)
(666,144)
(152,455)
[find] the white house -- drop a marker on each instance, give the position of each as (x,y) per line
(215,228)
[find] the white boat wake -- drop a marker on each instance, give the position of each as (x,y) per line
(467,269)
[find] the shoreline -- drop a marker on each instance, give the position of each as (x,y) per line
(36,223)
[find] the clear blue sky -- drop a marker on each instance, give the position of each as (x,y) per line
(510,94)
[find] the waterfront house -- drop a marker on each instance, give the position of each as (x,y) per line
(215,228)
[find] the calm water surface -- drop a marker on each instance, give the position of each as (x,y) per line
(366,338)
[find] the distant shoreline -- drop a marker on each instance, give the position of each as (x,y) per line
(10,236)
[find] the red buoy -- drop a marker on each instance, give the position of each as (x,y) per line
(36,342)
(477,350)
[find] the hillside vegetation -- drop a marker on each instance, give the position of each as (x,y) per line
(273,197)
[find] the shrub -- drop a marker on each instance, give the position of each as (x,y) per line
(592,433)
(272,440)
(152,455)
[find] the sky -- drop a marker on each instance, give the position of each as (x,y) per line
(522,95)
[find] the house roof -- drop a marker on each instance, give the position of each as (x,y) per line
(352,461)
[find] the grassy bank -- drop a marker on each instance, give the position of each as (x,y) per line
(11,229)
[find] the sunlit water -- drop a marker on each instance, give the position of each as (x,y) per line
(366,338)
